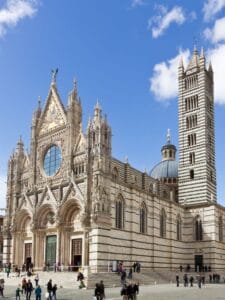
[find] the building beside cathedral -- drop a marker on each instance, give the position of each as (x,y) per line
(70,201)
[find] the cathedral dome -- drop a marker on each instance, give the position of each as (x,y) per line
(165,169)
(168,167)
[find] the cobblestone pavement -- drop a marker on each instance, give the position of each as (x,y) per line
(68,290)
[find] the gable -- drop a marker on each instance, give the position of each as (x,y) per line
(53,115)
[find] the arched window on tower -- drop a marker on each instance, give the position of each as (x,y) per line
(220,229)
(198,229)
(119,212)
(179,233)
(163,223)
(143,218)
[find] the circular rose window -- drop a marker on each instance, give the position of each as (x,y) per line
(52,160)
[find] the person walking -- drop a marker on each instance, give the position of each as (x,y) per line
(191,281)
(177,280)
(24,285)
(36,279)
(18,291)
(38,292)
(54,289)
(102,290)
(29,289)
(49,289)
(97,291)
(2,286)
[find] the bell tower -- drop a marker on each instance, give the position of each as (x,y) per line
(197,173)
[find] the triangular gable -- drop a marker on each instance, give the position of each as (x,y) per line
(81,144)
(53,115)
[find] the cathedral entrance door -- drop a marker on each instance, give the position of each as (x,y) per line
(76,254)
(198,263)
(50,253)
(27,255)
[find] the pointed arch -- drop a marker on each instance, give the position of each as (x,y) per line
(179,227)
(143,218)
(115,174)
(163,223)
(220,228)
(198,229)
(119,212)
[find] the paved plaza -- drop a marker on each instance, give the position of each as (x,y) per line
(68,289)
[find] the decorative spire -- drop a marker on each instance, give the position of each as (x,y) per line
(202,54)
(98,110)
(210,69)
(126,159)
(39,102)
(181,64)
(168,136)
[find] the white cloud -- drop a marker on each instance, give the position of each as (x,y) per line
(14,11)
(163,83)
(217,33)
(137,3)
(217,56)
(165,18)
(212,7)
(2,192)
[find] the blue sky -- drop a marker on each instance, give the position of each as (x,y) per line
(122,52)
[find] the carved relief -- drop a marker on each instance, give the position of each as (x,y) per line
(53,117)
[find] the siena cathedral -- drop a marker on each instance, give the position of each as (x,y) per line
(69,201)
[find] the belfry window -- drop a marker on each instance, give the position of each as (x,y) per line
(119,213)
(143,218)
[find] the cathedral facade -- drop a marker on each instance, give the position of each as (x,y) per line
(70,201)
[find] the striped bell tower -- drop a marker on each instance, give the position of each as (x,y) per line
(196,173)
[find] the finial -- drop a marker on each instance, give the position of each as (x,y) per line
(202,52)
(168,136)
(97,104)
(126,159)
(39,102)
(54,74)
(75,83)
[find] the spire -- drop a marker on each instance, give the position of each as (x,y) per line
(194,62)
(73,94)
(98,110)
(168,136)
(210,69)
(19,148)
(202,54)
(181,64)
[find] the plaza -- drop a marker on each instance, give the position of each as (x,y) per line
(68,289)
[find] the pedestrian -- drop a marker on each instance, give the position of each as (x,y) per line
(18,291)
(36,279)
(38,292)
(49,289)
(102,290)
(177,280)
(8,271)
(24,285)
(29,289)
(2,282)
(130,274)
(191,281)
(185,280)
(97,291)
(54,289)
(123,292)
(199,280)
(136,290)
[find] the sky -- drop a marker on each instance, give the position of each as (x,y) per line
(124,53)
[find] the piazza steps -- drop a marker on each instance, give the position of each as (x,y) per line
(144,278)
